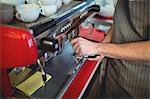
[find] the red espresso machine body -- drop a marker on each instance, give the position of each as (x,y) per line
(17,49)
(17,46)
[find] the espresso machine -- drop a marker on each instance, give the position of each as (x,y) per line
(52,36)
(57,43)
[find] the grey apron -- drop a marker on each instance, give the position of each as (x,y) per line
(129,78)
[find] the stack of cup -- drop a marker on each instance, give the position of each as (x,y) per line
(13,2)
(66,2)
(28,12)
(59,4)
(48,7)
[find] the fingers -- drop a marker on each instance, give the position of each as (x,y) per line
(74,41)
(60,37)
(76,45)
(77,50)
(77,40)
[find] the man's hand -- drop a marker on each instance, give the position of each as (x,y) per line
(85,47)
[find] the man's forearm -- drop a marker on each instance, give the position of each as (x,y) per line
(128,51)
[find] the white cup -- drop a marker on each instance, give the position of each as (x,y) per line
(47,2)
(59,4)
(66,1)
(32,1)
(48,10)
(27,12)
(13,2)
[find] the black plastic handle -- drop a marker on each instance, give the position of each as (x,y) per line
(91,10)
(94,8)
(41,27)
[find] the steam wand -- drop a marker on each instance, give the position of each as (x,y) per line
(44,78)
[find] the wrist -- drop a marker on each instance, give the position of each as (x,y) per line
(104,48)
(100,49)
(106,40)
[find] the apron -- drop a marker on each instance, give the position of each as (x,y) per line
(125,78)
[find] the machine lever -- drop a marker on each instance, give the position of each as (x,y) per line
(41,27)
(94,8)
(91,10)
